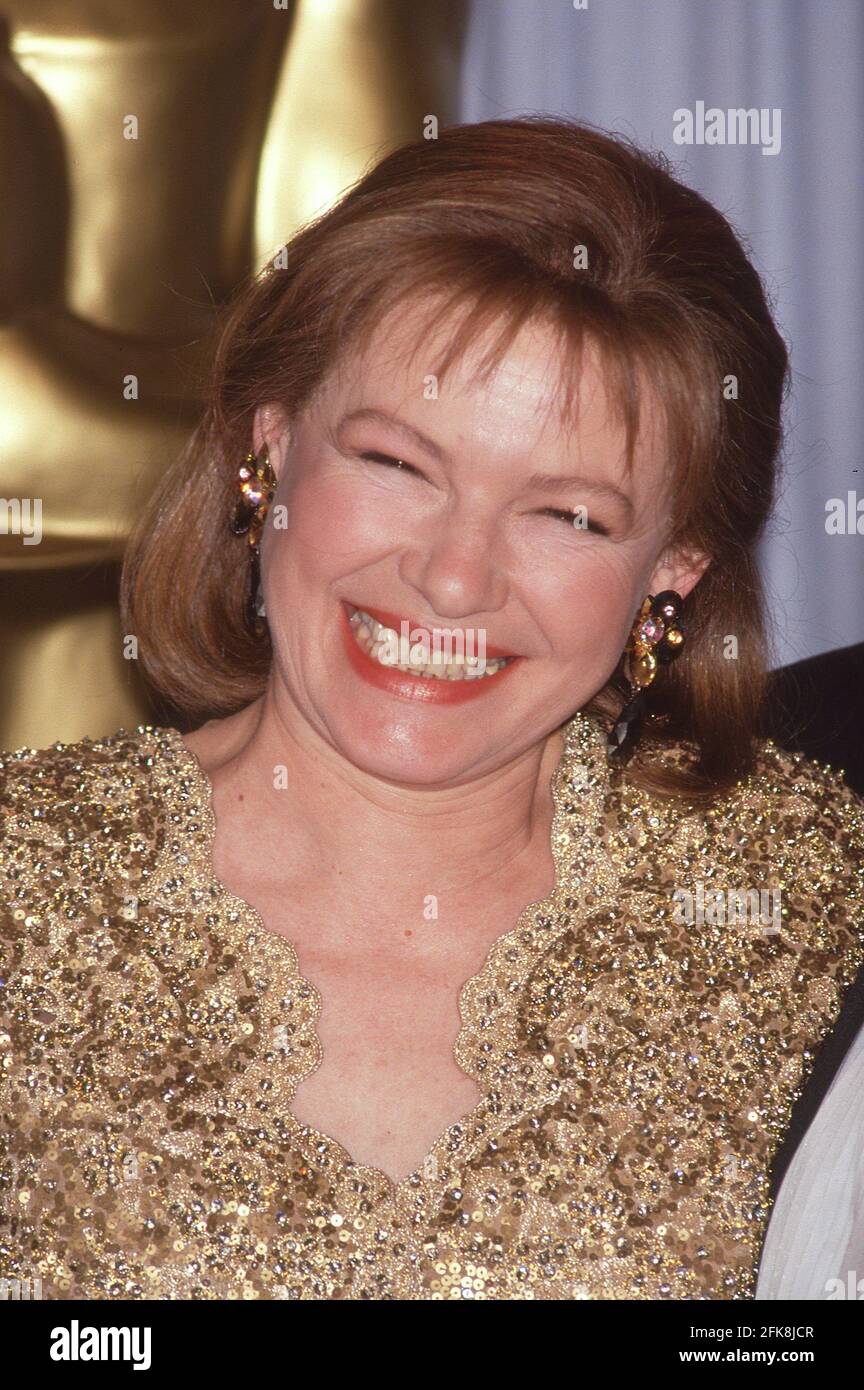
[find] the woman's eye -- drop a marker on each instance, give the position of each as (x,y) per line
(596,526)
(562,514)
(389,461)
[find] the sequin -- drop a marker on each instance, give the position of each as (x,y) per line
(637,1074)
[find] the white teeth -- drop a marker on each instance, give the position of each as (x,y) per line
(377,641)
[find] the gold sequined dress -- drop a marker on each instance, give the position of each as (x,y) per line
(637,1071)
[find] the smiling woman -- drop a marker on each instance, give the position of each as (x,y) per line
(495,228)
(374,980)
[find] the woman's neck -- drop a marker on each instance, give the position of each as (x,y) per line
(377,837)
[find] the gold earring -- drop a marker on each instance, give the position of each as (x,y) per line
(657,637)
(257,483)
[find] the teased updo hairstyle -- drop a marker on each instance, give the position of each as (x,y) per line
(487,218)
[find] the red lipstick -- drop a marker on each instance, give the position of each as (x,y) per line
(405,686)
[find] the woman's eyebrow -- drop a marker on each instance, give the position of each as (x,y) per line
(380,417)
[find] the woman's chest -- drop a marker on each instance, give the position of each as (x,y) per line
(387,1083)
(619,1147)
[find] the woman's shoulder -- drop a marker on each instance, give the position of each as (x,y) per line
(804,800)
(68,780)
(791,829)
(795,826)
(71,812)
(795,794)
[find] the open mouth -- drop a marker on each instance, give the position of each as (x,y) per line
(430,659)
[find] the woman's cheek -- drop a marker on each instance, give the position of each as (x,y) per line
(345,516)
(584,603)
(580,578)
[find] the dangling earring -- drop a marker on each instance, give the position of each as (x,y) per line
(257,483)
(657,636)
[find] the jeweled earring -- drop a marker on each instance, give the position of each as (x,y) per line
(257,483)
(656,638)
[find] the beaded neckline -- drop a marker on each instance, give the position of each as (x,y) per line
(187,792)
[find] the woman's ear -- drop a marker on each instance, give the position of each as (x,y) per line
(681,571)
(271,426)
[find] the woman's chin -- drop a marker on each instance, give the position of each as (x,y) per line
(399,751)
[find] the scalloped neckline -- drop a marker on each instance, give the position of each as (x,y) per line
(247,918)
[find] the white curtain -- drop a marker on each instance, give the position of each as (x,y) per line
(628,65)
(814,1248)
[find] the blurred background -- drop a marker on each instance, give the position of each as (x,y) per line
(153,155)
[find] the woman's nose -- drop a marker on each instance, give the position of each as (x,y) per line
(459,569)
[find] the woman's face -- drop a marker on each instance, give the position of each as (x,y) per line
(470,536)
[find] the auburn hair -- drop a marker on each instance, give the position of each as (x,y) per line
(506,221)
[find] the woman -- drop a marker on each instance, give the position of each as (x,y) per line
(423,967)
